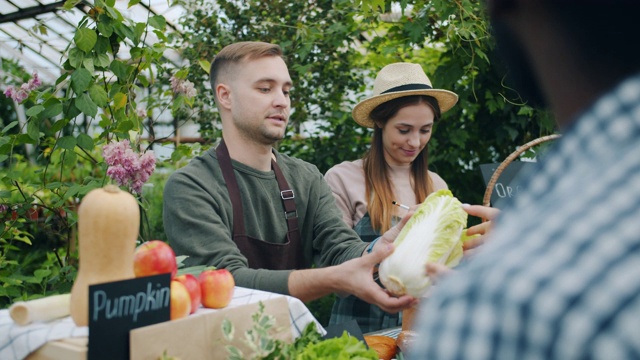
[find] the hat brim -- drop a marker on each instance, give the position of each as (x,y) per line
(446,100)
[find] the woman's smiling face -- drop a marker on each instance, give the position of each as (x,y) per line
(406,134)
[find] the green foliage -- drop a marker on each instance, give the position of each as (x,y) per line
(452,40)
(309,345)
(334,49)
(315,37)
(258,339)
(341,348)
(27,274)
(102,88)
(346,142)
(53,158)
(321,308)
(151,220)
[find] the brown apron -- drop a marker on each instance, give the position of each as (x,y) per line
(259,253)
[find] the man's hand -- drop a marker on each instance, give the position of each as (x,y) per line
(360,282)
(390,235)
(351,277)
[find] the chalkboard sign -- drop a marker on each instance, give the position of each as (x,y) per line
(119,306)
(504,188)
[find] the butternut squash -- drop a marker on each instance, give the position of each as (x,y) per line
(108,225)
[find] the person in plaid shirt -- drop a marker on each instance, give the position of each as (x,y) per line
(559,277)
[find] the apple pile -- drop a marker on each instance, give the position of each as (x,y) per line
(213,288)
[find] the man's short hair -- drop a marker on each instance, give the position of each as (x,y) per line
(237,52)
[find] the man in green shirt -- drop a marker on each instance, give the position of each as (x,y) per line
(265,216)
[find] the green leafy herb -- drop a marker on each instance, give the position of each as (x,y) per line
(309,345)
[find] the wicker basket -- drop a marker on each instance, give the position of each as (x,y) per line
(486,201)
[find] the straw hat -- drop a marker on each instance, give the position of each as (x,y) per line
(398,80)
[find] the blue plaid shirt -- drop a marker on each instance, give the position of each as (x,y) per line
(560,278)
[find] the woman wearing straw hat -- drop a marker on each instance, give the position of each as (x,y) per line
(402,111)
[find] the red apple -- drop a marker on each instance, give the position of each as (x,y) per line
(180,302)
(154,257)
(217,288)
(193,286)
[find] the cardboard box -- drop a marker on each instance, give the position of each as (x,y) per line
(198,336)
(68,349)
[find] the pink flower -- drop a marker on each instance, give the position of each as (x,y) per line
(141,112)
(188,89)
(180,86)
(34,82)
(9,92)
(127,167)
(175,84)
(20,94)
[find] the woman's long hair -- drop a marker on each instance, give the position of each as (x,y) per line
(376,170)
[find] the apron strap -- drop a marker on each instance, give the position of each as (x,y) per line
(286,194)
(232,188)
(288,201)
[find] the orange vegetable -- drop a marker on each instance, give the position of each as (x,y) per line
(108,225)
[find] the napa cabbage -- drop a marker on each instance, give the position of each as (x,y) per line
(433,234)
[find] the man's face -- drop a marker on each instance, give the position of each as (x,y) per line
(260,102)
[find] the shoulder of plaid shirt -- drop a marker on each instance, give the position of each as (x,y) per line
(560,278)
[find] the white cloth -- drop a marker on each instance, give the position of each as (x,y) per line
(17,342)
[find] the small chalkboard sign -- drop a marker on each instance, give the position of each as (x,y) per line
(117,307)
(504,188)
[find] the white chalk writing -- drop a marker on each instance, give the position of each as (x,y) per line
(130,305)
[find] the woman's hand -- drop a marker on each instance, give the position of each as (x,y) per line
(436,272)
(487,214)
